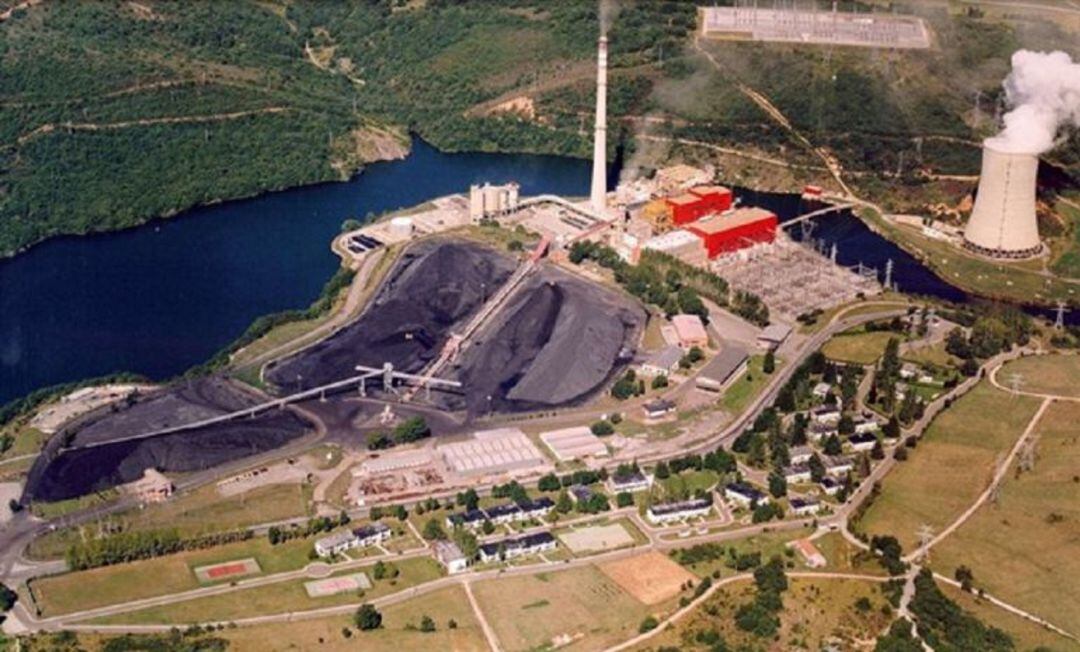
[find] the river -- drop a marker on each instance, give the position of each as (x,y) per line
(160,298)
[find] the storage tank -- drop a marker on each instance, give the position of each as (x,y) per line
(1003,222)
(401,226)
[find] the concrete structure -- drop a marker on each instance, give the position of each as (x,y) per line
(1003,222)
(744,495)
(153,487)
(680,511)
(811,25)
(336,585)
(492,201)
(723,369)
(691,331)
(402,226)
(495,451)
(629,483)
(738,229)
(773,335)
(573,443)
(826,414)
(507,549)
(450,556)
(681,244)
(662,363)
(598,189)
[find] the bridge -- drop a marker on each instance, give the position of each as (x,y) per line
(818,213)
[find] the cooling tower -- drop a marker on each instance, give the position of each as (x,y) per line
(597,196)
(1003,222)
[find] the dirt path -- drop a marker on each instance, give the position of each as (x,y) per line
(489,633)
(144,122)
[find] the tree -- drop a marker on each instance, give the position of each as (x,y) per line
(426,623)
(602,428)
(650,623)
(756,455)
(564,505)
(892,428)
(769,364)
(367,618)
(549,482)
(846,426)
(660,382)
(965,577)
(817,468)
(662,471)
(412,429)
(433,531)
(777,485)
(877,452)
(8,598)
(378,441)
(624,499)
(468,499)
(400,513)
(695,354)
(833,445)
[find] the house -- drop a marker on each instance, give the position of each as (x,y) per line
(744,494)
(335,544)
(723,369)
(658,408)
(580,493)
(821,390)
(506,513)
(837,465)
(690,331)
(152,487)
(670,512)
(802,506)
(471,519)
(809,552)
(862,442)
(372,534)
(831,486)
(629,483)
(909,370)
(819,431)
(801,454)
(536,508)
(797,473)
(662,363)
(449,555)
(507,549)
(772,336)
(826,414)
(864,424)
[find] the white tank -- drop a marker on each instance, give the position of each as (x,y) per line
(401,226)
(1003,222)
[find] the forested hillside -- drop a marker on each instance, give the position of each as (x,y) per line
(115,112)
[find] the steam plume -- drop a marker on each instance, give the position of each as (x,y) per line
(1043,91)
(608,9)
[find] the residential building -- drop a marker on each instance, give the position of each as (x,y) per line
(825,414)
(580,493)
(662,363)
(862,442)
(831,486)
(531,544)
(838,465)
(821,390)
(801,454)
(744,494)
(335,544)
(471,519)
(450,556)
(864,425)
(630,483)
(797,473)
(804,506)
(506,513)
(670,512)
(372,534)
(536,508)
(820,431)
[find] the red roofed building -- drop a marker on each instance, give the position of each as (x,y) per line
(736,230)
(716,198)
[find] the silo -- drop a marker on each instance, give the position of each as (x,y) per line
(1003,222)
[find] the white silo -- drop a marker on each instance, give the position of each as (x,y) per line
(1003,222)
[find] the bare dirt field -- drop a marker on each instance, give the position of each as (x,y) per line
(596,537)
(651,578)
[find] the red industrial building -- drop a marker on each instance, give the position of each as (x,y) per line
(739,229)
(697,203)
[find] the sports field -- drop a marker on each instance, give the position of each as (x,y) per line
(1045,374)
(951,465)
(1026,548)
(143,579)
(527,612)
(596,537)
(399,629)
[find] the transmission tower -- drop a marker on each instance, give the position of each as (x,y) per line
(926,535)
(1059,319)
(1016,381)
(888,274)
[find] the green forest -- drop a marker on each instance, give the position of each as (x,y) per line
(113,113)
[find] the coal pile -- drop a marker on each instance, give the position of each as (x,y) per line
(561,339)
(434,286)
(59,475)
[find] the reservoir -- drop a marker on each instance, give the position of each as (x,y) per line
(160,298)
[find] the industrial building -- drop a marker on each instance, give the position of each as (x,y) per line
(1003,222)
(577,442)
(680,244)
(683,208)
(723,369)
(663,362)
(488,200)
(690,331)
(738,229)
(791,24)
(501,450)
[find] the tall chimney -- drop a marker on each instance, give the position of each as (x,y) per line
(597,196)
(1003,222)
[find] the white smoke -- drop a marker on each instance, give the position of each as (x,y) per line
(1043,91)
(608,10)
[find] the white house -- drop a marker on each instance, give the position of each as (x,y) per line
(797,473)
(532,544)
(821,390)
(801,506)
(630,483)
(831,486)
(862,442)
(744,495)
(838,465)
(670,512)
(825,414)
(864,425)
(662,363)
(450,556)
(801,454)
(339,542)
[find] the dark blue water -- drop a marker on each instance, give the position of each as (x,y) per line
(160,298)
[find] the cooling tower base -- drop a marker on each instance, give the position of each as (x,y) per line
(1004,254)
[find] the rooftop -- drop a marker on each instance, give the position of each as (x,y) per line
(725,363)
(684,199)
(730,220)
(665,358)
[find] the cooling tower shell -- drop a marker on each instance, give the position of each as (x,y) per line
(1003,222)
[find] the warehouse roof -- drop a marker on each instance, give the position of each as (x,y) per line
(683,199)
(709,190)
(736,218)
(725,363)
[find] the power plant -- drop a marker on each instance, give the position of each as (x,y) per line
(1003,223)
(598,194)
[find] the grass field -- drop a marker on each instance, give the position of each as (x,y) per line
(198,512)
(951,466)
(739,394)
(1026,634)
(817,614)
(683,485)
(280,597)
(859,348)
(1024,549)
(1046,374)
(844,557)
(769,544)
(395,634)
(935,355)
(528,611)
(122,582)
